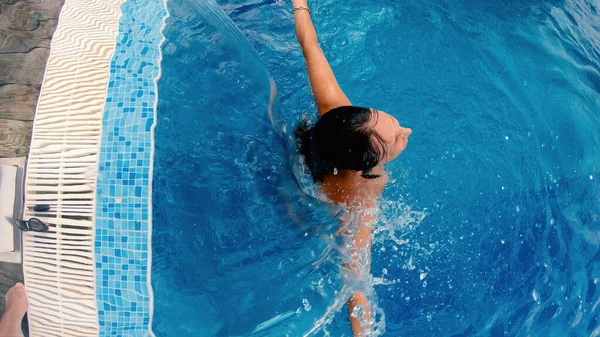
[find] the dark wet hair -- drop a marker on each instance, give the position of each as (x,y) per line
(341,139)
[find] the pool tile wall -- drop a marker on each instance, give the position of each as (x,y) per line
(123,207)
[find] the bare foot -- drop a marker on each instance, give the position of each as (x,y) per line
(16,306)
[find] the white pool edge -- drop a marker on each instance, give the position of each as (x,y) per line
(58,265)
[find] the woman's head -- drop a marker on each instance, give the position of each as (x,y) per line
(351,138)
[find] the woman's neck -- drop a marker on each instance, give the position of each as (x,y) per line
(351,188)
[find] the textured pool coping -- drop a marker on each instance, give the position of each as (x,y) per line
(124,204)
(58,265)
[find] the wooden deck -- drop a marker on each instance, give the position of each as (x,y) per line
(26,29)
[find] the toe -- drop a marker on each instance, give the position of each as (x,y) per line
(16,299)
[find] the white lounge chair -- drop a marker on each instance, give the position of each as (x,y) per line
(11,207)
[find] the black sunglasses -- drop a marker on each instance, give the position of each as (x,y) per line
(33,225)
(39,208)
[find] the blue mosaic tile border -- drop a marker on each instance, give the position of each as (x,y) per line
(123,205)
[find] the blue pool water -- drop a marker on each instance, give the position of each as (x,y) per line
(491,226)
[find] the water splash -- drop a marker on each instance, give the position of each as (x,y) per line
(394,220)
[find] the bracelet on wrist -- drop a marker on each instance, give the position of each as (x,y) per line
(300,8)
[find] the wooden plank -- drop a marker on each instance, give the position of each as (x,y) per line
(25,68)
(18,101)
(15,137)
(27,15)
(23,41)
(26,29)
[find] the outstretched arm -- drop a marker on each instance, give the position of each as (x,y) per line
(327,92)
(361,266)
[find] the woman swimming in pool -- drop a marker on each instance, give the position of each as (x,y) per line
(345,151)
